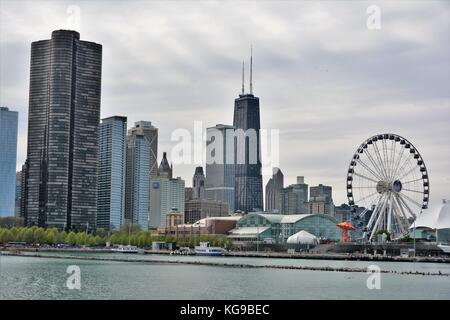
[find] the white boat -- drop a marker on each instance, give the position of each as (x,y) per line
(444,247)
(125,249)
(204,249)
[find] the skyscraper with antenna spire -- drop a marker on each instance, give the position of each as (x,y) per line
(248,178)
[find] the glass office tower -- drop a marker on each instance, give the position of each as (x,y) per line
(8,155)
(111,173)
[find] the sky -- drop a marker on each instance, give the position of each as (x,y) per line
(329,75)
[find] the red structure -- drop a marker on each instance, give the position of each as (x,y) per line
(346,227)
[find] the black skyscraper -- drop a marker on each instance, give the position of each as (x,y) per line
(248,178)
(63,128)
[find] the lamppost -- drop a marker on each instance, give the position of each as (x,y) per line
(257,237)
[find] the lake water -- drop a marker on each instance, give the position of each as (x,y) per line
(45,278)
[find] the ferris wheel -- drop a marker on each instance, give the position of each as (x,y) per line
(387,177)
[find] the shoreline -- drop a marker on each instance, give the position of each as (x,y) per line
(222,264)
(254,254)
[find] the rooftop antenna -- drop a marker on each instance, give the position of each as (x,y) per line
(251,69)
(243,92)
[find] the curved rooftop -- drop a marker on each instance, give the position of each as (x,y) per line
(439,218)
(288,218)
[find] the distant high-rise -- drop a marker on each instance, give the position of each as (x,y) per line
(165,169)
(167,194)
(248,183)
(137,185)
(294,198)
(197,207)
(198,184)
(63,127)
(273,191)
(321,200)
(220,169)
(111,173)
(8,154)
(150,132)
(142,167)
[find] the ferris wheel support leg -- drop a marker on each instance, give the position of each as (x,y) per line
(389,217)
(377,223)
(403,222)
(374,213)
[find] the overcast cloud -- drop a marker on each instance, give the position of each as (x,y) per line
(324,79)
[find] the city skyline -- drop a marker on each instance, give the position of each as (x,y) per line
(301,84)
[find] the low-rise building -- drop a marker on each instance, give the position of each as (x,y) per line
(278,228)
(205,226)
(196,209)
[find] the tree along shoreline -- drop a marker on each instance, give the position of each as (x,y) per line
(35,236)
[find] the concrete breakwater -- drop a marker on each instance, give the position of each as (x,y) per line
(338,256)
(222,264)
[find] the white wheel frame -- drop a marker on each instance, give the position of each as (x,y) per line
(388,177)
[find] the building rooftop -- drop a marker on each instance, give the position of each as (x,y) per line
(247,232)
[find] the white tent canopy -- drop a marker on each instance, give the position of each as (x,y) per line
(436,218)
(303,237)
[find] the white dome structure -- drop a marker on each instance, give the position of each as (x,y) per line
(303,237)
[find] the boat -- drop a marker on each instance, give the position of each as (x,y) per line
(125,249)
(204,249)
(444,247)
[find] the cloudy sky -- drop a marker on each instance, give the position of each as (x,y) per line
(325,80)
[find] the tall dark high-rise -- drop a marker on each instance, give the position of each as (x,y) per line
(248,178)
(63,131)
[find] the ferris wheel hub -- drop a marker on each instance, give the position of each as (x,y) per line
(386,186)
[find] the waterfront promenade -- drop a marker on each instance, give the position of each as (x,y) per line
(248,254)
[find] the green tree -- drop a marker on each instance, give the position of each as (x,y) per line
(50,236)
(81,238)
(6,236)
(61,237)
(101,232)
(21,234)
(28,236)
(39,235)
(388,235)
(98,241)
(71,238)
(14,233)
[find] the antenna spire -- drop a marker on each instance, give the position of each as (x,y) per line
(243,90)
(251,69)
